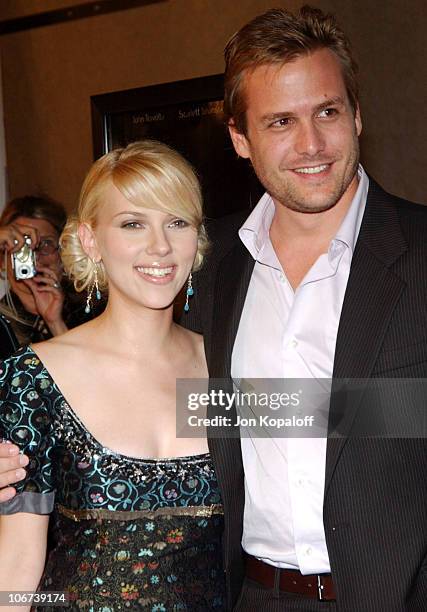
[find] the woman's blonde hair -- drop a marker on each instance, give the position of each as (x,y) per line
(147,173)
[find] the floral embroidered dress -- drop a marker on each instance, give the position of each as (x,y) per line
(128,533)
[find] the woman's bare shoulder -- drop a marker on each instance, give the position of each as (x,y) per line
(64,345)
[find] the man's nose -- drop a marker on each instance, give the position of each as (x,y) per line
(310,139)
(158,243)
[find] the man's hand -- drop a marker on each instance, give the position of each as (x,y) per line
(11,469)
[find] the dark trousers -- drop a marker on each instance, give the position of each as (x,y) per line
(256,598)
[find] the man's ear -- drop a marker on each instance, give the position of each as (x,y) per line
(358,121)
(240,142)
(88,240)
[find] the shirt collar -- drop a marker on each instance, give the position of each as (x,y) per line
(350,227)
(255,232)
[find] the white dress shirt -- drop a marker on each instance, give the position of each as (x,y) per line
(294,336)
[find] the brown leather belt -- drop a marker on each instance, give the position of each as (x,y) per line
(314,586)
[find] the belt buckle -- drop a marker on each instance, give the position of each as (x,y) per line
(319,588)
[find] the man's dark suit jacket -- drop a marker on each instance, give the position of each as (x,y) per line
(375,503)
(8,342)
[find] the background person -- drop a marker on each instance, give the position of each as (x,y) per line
(33,308)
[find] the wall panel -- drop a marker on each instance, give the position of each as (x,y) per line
(50,73)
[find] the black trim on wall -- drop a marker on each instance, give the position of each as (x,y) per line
(151,96)
(70,13)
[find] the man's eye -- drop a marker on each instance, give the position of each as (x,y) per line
(328,112)
(283,122)
(178,223)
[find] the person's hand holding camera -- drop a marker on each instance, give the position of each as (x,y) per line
(35,276)
(48,297)
(12,237)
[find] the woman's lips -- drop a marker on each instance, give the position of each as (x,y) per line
(159,275)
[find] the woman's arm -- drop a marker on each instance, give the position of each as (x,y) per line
(23,539)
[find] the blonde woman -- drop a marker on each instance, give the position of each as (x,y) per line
(137,513)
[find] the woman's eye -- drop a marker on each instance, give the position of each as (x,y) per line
(131,225)
(178,223)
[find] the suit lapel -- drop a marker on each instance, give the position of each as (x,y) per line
(373,291)
(230,290)
(231,286)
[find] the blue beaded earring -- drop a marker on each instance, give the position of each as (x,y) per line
(189,292)
(94,286)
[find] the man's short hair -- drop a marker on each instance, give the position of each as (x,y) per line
(276,37)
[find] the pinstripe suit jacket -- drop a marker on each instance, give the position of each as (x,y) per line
(8,341)
(375,504)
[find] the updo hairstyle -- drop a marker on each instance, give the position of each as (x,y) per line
(147,173)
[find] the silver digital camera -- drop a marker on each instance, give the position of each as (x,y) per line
(24,261)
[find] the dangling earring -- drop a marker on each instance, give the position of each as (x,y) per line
(189,292)
(94,286)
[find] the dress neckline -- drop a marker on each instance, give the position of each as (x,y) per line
(196,458)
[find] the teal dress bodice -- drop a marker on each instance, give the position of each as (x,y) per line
(127,533)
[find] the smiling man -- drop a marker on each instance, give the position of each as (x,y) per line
(319,282)
(301,133)
(326,279)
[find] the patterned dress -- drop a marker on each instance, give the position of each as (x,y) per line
(128,533)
